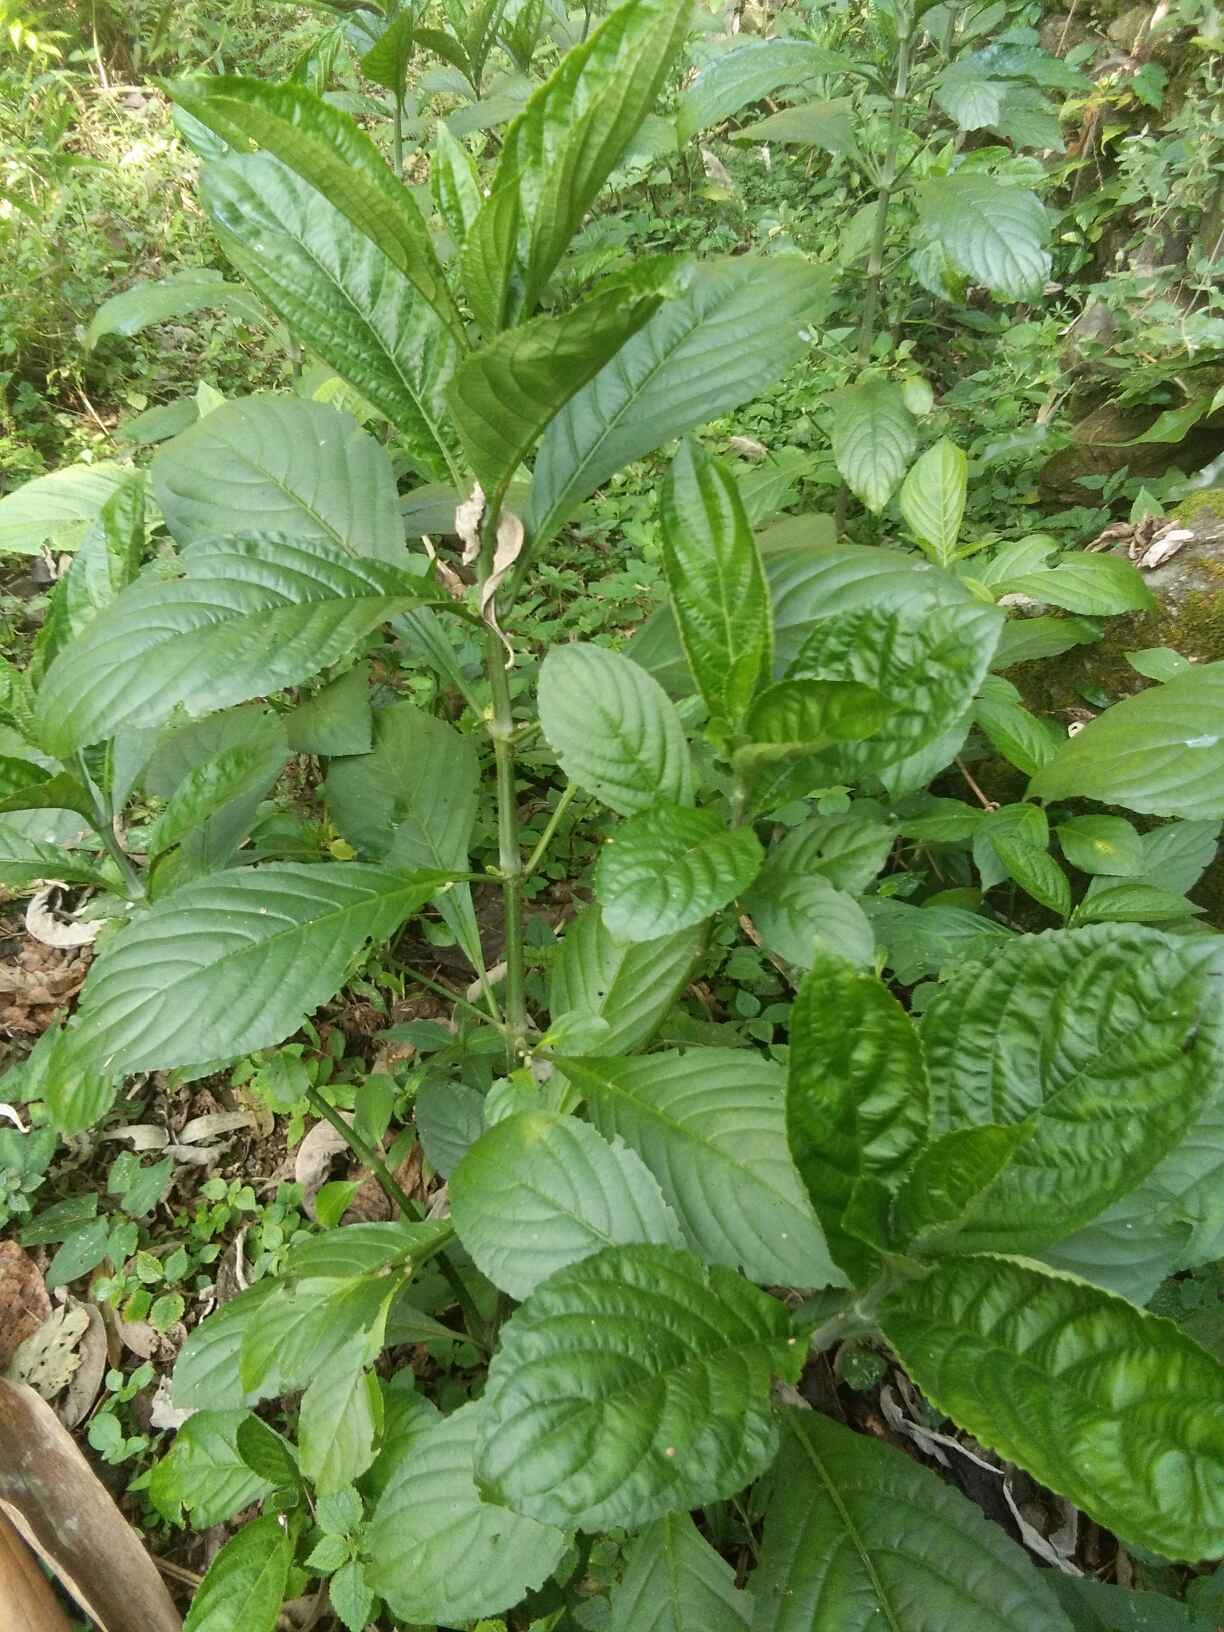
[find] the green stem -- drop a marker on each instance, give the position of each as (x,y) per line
(509,852)
(400,1199)
(546,838)
(104,825)
(397,134)
(445,991)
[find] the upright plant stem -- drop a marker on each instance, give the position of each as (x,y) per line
(510,854)
(104,825)
(397,136)
(554,822)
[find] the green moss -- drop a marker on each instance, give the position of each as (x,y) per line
(1208,501)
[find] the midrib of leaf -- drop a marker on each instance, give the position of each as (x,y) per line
(851,1530)
(277,482)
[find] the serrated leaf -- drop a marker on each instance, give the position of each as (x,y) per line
(1036,872)
(750,72)
(859,1536)
(799,918)
(629,984)
(874,438)
(339,1419)
(968,97)
(540,1191)
(254,614)
(1160,753)
(206,1375)
(996,234)
(1098,585)
(361,1249)
(560,150)
(341,296)
(349,1596)
(827,125)
(57,507)
(614,730)
(716,582)
(848,850)
(677,1355)
(191,289)
(1130,901)
(689,364)
(267,1453)
(250,768)
(437,1551)
(710,1125)
(505,393)
(387,60)
(803,716)
(205,1472)
(856,1096)
(1105,1038)
(280,464)
(933,499)
(232,963)
(454,184)
(1110,1406)
(327,149)
(1028,120)
(246,1581)
(670,867)
(307,1326)
(1024,741)
(674,1581)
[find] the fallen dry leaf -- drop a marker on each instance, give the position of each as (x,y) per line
(86,1380)
(62,1509)
(50,924)
(49,1357)
(312,1164)
(24,1303)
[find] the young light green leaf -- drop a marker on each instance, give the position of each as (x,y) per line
(246,1582)
(674,1581)
(716,582)
(559,152)
(339,1419)
(341,296)
(204,1471)
(1108,1039)
(874,438)
(254,614)
(859,1536)
(454,183)
(280,464)
(210,787)
(628,984)
(329,150)
(614,730)
(750,72)
(56,507)
(232,963)
(947,1183)
(439,1553)
(1160,753)
(710,1125)
(735,327)
(677,1355)
(506,392)
(540,1191)
(994,233)
(1076,1387)
(669,868)
(191,289)
(933,500)
(1097,585)
(856,1095)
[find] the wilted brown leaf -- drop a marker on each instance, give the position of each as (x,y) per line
(24,1303)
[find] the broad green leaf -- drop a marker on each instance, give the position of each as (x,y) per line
(386,62)
(329,150)
(1106,845)
(540,1191)
(919,941)
(204,1471)
(803,716)
(1028,120)
(928,662)
(630,1385)
(437,1551)
(1130,901)
(710,1125)
(337,720)
(1024,741)
(1174,424)
(969,97)
(750,72)
(674,1581)
(449,1119)
(233,963)
(849,851)
(254,614)
(411,802)
(948,1184)
(560,150)
(856,1096)
(828,125)
(669,867)
(191,289)
(716,582)
(341,296)
(1178,853)
(24,860)
(1160,753)
(306,1325)
(506,392)
(1112,1407)
(280,464)
(994,233)
(1098,585)
(614,730)
(206,1373)
(454,183)
(874,437)
(801,917)
(691,362)
(1036,872)
(109,557)
(250,768)
(629,984)
(56,507)
(1107,1039)
(360,1249)
(26,786)
(246,1582)
(1026,640)
(267,1453)
(858,1536)
(933,499)
(1095,1606)
(339,1419)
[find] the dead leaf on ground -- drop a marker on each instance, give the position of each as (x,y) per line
(24,1303)
(370,1205)
(141,1135)
(48,922)
(49,1357)
(86,1380)
(208,1127)
(58,1504)
(312,1164)
(164,1414)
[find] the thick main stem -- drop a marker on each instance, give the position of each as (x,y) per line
(509,848)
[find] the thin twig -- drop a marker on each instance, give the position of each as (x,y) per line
(986,804)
